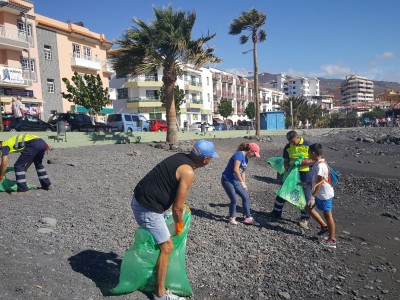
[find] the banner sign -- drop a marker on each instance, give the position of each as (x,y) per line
(11,75)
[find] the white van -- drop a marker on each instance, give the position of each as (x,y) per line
(127,122)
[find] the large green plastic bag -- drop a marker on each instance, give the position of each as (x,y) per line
(277,163)
(8,185)
(291,192)
(139,261)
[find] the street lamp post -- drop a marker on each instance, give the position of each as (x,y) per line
(291,113)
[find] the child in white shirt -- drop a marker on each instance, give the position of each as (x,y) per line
(322,191)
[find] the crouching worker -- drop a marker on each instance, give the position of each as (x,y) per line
(32,149)
(166,185)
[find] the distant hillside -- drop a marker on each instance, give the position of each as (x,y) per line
(332,86)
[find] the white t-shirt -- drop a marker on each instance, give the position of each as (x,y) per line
(326,190)
(16,108)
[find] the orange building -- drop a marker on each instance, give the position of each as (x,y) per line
(36,52)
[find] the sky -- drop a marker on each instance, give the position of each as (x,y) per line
(316,38)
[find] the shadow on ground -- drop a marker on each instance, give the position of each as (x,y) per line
(102,268)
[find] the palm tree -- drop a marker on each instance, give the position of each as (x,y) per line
(299,105)
(252,21)
(166,43)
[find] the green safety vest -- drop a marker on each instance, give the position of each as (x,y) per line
(294,152)
(17,143)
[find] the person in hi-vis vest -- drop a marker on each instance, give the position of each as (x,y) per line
(32,149)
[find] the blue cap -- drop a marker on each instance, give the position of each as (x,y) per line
(203,148)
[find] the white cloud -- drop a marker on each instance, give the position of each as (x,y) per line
(335,70)
(385,54)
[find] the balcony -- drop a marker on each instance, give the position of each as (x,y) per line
(144,81)
(227,79)
(216,76)
(241,96)
(192,85)
(217,92)
(14,39)
(107,67)
(135,102)
(16,77)
(227,94)
(194,103)
(85,62)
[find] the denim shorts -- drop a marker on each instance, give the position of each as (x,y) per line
(151,221)
(324,205)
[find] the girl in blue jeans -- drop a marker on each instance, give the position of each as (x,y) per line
(234,181)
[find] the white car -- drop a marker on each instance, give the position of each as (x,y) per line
(196,126)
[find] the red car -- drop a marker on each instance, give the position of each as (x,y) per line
(158,125)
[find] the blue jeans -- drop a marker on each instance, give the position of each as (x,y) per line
(233,188)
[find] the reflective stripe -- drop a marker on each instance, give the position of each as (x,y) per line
(44,176)
(22,143)
(41,170)
(277,209)
(20,173)
(21,180)
(277,203)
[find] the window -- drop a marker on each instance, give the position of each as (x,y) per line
(294,87)
(21,27)
(50,86)
(208,81)
(76,50)
(152,94)
(47,52)
(208,97)
(26,66)
(87,53)
(122,93)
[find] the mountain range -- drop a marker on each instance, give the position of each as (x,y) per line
(332,86)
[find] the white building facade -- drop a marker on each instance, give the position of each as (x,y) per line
(306,87)
(141,95)
(356,89)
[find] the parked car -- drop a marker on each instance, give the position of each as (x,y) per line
(28,123)
(158,125)
(77,122)
(196,126)
(127,122)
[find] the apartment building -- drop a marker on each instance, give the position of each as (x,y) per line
(356,89)
(36,52)
(63,49)
(306,87)
(140,94)
(240,91)
(19,56)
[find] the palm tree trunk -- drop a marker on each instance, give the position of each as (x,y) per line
(172,132)
(257,96)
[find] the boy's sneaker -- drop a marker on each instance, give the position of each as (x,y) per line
(232,221)
(329,243)
(323,230)
(251,221)
(168,296)
(303,224)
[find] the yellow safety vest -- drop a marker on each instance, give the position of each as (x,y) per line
(17,143)
(294,152)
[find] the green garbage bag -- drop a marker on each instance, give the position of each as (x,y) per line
(8,185)
(139,261)
(277,164)
(291,192)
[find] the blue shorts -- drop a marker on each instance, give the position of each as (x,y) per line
(151,221)
(324,205)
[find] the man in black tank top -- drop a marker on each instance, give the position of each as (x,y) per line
(166,185)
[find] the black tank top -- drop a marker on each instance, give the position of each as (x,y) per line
(157,190)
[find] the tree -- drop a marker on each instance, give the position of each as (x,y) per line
(225,108)
(87,91)
(250,111)
(179,98)
(166,43)
(252,21)
(299,104)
